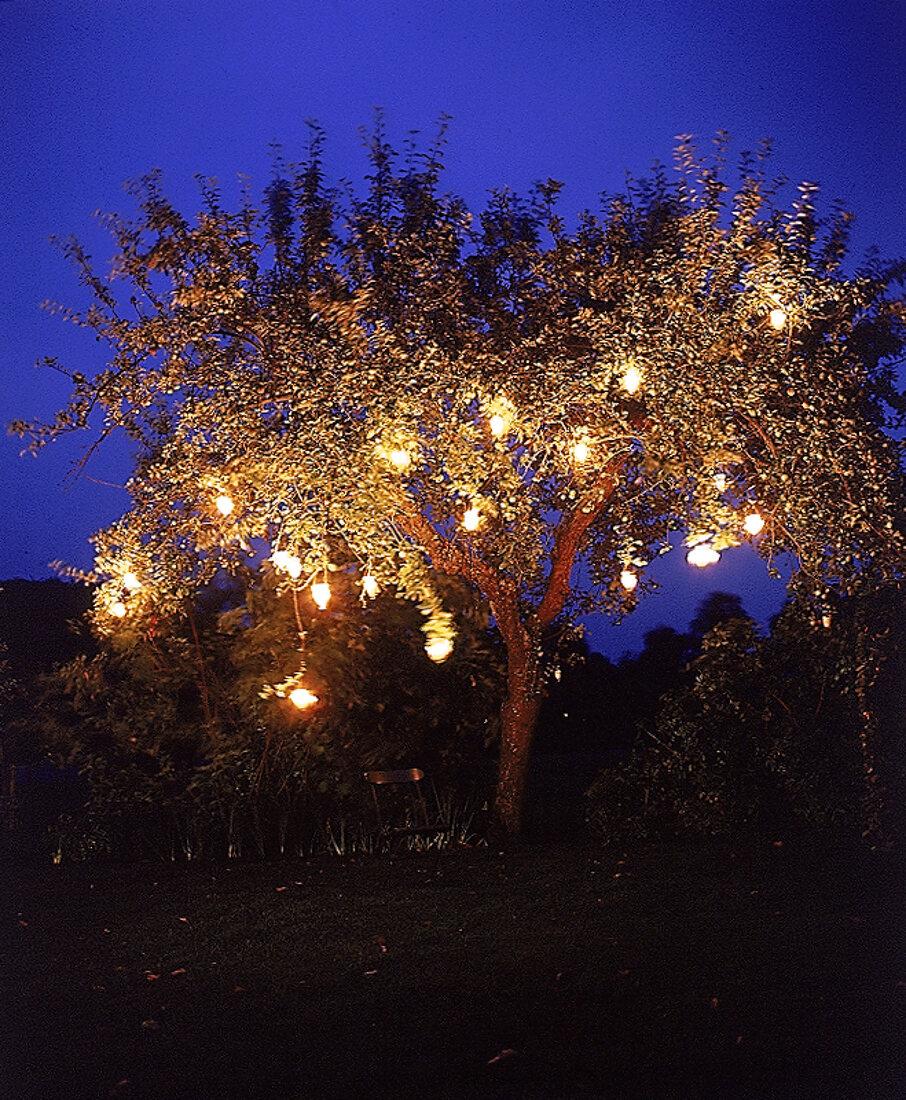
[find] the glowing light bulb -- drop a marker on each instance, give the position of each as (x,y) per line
(628,579)
(118,609)
(632,379)
(497,424)
(320,593)
(703,555)
(131,582)
(280,558)
(720,482)
(302,698)
(400,458)
(293,566)
(370,586)
(580,451)
(777,318)
(826,621)
(471,519)
(224,504)
(439,649)
(753,523)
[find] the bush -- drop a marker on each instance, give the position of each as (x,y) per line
(763,740)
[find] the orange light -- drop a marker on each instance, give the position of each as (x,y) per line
(632,379)
(753,523)
(131,582)
(370,586)
(224,504)
(471,519)
(320,593)
(703,555)
(629,580)
(580,451)
(777,318)
(439,649)
(302,698)
(118,609)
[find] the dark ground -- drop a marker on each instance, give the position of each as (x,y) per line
(551,970)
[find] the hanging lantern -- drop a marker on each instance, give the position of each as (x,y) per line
(629,580)
(320,593)
(302,698)
(702,555)
(224,504)
(471,519)
(753,523)
(438,649)
(632,379)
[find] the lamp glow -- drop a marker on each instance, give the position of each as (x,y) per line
(777,318)
(753,523)
(580,451)
(628,579)
(497,425)
(703,555)
(118,609)
(370,586)
(632,379)
(471,519)
(720,482)
(224,504)
(320,593)
(439,649)
(131,582)
(400,458)
(302,698)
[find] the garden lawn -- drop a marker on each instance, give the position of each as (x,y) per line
(553,970)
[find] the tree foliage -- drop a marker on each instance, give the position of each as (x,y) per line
(384,379)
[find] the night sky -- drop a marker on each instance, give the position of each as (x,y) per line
(95,93)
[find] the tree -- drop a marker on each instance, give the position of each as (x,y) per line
(380,383)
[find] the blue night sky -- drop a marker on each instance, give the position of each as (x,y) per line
(94,93)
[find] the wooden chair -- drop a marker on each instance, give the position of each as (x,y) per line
(400,808)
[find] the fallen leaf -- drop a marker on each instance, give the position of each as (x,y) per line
(508,1052)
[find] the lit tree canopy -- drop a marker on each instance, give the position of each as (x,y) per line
(383,383)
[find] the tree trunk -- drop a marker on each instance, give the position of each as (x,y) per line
(519,716)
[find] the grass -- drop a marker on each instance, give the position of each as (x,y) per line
(550,970)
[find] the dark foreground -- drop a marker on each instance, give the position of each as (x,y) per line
(548,971)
